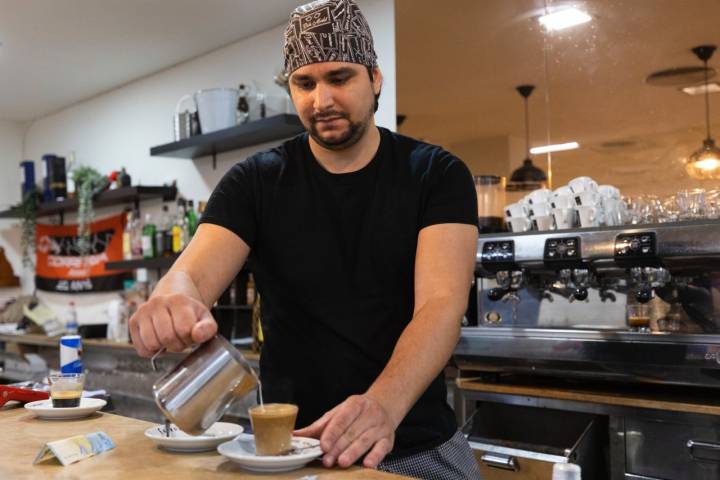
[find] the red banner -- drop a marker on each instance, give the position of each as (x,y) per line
(61,268)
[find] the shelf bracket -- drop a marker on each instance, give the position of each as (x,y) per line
(62,217)
(214,159)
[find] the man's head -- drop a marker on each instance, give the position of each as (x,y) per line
(332,68)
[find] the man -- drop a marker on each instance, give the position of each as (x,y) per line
(362,243)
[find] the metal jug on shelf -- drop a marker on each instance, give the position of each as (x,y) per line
(185,123)
(198,391)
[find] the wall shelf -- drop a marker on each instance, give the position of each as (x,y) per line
(117,196)
(248,134)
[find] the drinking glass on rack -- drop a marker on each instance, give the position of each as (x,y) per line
(712,204)
(691,203)
(669,210)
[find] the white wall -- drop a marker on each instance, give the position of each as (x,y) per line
(118,128)
(11,149)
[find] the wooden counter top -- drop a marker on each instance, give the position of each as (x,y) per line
(669,398)
(135,457)
(45,341)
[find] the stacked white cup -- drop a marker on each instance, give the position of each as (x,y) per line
(516,216)
(614,209)
(587,201)
(563,208)
(580,203)
(540,209)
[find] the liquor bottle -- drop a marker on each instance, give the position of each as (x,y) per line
(148,238)
(71,321)
(163,234)
(179,228)
(191,218)
(136,235)
(127,236)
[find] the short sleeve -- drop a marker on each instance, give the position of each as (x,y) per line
(451,196)
(233,202)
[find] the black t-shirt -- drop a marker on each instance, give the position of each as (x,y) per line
(333,258)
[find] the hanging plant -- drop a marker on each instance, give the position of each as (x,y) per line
(28,211)
(88,182)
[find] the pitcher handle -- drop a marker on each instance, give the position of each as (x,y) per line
(182,99)
(154,357)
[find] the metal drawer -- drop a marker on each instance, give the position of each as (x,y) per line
(511,465)
(522,443)
(672,451)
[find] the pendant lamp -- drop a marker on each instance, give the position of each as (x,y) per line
(704,163)
(528,176)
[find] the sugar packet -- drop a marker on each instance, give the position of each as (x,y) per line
(73,449)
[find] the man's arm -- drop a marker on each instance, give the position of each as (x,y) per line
(444,267)
(177,313)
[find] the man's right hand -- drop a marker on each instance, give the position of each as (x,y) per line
(173,321)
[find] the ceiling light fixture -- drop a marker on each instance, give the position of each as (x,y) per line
(528,176)
(565,18)
(700,89)
(704,163)
(558,147)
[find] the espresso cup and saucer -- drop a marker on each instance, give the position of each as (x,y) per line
(66,400)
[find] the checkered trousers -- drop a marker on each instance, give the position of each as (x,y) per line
(453,460)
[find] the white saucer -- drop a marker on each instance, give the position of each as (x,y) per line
(179,441)
(44,409)
(241,450)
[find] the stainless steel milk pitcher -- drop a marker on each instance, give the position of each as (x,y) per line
(198,390)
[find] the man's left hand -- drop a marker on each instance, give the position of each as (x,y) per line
(358,425)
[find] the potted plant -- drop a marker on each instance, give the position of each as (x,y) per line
(28,211)
(88,182)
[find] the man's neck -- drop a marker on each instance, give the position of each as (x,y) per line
(350,159)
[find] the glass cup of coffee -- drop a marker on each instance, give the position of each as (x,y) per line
(638,317)
(66,389)
(272,425)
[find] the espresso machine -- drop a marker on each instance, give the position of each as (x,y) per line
(632,306)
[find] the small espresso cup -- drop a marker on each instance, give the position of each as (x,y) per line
(66,389)
(564,218)
(539,209)
(515,210)
(587,198)
(272,425)
(541,195)
(582,184)
(564,190)
(609,191)
(563,201)
(519,224)
(589,215)
(543,222)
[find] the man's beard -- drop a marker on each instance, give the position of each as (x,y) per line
(352,135)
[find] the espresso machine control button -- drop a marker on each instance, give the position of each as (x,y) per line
(562,250)
(498,255)
(636,249)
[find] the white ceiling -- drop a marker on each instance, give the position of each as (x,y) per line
(459,64)
(58,52)
(458,67)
